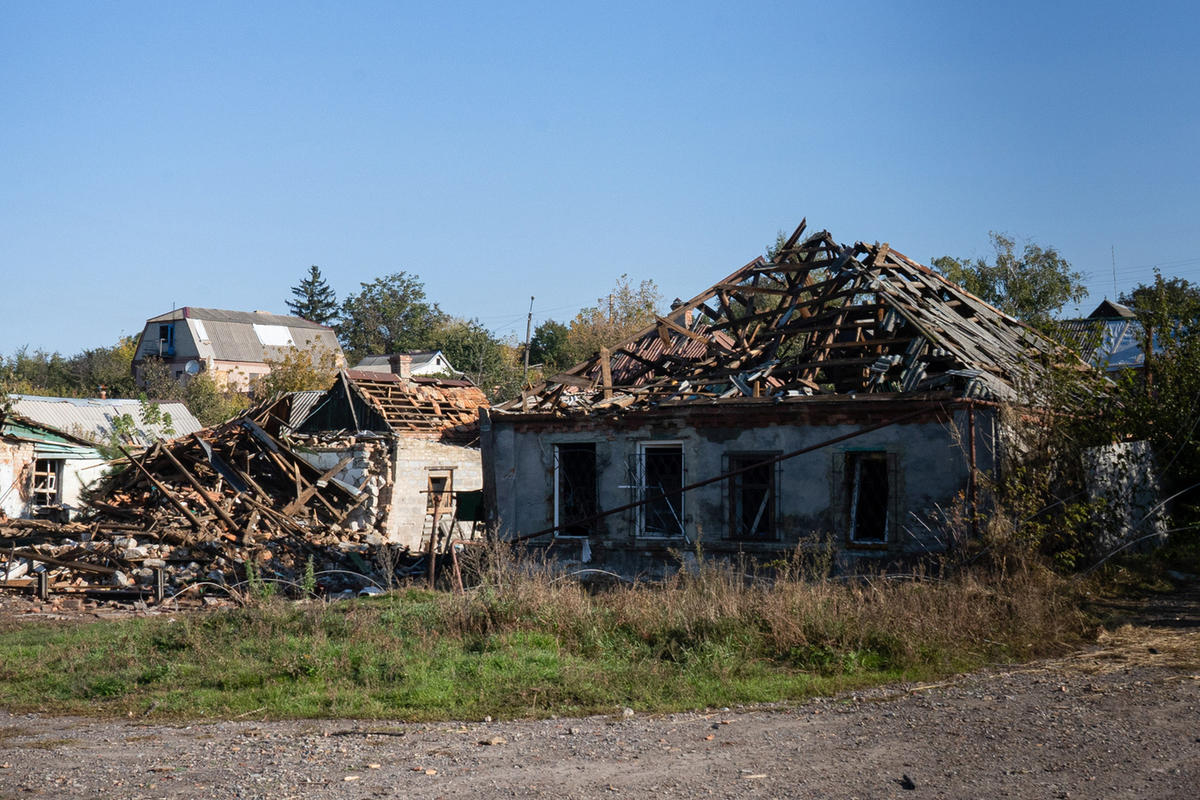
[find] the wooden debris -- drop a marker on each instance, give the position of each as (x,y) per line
(821,318)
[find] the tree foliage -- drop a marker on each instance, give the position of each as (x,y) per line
(1162,404)
(1165,303)
(1030,285)
(484,359)
(389,315)
(210,402)
(550,347)
(315,300)
(615,317)
(81,375)
(298,370)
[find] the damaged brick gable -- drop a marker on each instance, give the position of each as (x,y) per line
(438,408)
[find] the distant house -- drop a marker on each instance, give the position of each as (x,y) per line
(48,451)
(232,346)
(1111,338)
(410,362)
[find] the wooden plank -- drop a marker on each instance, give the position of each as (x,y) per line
(227,520)
(167,493)
(304,496)
(606,373)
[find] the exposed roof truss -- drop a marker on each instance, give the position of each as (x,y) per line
(821,318)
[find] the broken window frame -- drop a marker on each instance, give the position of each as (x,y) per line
(46,482)
(446,492)
(564,516)
(851,483)
(736,484)
(675,501)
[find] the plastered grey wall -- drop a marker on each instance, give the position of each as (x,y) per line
(931,475)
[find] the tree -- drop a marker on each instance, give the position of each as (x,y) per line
(488,362)
(624,311)
(108,367)
(210,402)
(389,315)
(315,301)
(1029,286)
(549,347)
(1165,303)
(159,383)
(299,369)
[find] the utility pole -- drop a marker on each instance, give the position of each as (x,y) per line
(528,329)
(1114,260)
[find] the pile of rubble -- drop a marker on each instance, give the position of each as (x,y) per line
(216,507)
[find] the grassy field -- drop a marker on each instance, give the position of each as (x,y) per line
(525,644)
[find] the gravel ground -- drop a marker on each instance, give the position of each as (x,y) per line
(1119,720)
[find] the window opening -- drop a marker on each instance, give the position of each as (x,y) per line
(867,496)
(574,487)
(752,496)
(47,480)
(166,340)
(661,468)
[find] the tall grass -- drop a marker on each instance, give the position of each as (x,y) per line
(526,641)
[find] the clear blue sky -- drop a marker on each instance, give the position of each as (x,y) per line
(162,154)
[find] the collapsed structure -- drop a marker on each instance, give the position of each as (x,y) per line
(354,487)
(411,441)
(840,393)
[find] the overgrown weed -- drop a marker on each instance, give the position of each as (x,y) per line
(527,640)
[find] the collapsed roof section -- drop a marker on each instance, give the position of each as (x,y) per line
(821,318)
(418,406)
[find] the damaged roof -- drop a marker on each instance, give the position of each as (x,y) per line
(821,318)
(421,406)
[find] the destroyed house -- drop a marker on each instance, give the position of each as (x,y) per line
(43,470)
(837,394)
(411,443)
(50,456)
(235,347)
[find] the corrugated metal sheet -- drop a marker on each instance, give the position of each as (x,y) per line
(240,317)
(92,418)
(1111,344)
(303,404)
(238,341)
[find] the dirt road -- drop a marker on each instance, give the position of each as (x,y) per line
(1121,720)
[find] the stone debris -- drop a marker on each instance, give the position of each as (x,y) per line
(230,509)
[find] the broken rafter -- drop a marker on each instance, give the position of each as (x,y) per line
(820,317)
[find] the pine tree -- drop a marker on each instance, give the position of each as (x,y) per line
(314,301)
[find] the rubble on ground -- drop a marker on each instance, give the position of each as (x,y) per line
(202,513)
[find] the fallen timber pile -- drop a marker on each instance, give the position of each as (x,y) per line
(225,507)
